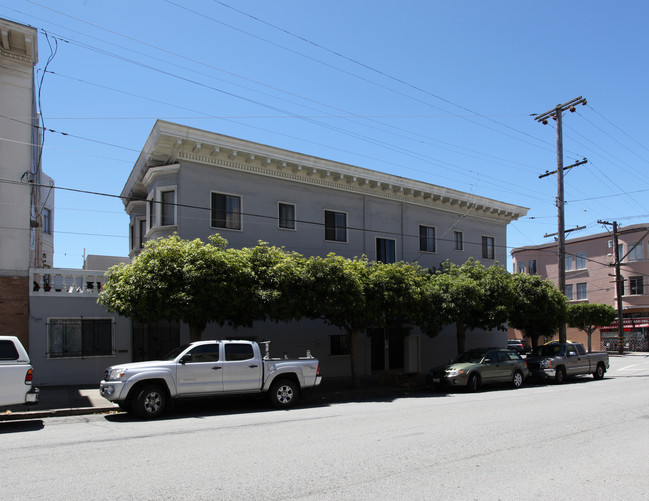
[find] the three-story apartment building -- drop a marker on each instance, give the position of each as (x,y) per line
(196,183)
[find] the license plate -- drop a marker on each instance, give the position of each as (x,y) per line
(436,380)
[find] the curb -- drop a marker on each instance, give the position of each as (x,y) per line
(80,411)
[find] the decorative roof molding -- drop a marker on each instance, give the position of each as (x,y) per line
(18,42)
(171,143)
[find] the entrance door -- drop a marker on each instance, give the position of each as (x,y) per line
(387,348)
(153,340)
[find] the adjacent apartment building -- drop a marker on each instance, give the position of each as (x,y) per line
(197,183)
(590,277)
(26,194)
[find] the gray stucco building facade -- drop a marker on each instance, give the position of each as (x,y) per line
(197,183)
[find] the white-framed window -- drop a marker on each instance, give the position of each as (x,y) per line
(569,293)
(427,239)
(168,207)
(531,268)
(226,211)
(636,251)
(488,244)
(161,207)
(335,226)
(286,216)
(80,337)
(582,291)
(568,261)
(521,266)
(458,241)
(47,221)
(580,261)
(386,250)
(141,237)
(636,286)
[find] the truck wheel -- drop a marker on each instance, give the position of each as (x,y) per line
(560,375)
(517,380)
(150,401)
(283,393)
(473,384)
(599,372)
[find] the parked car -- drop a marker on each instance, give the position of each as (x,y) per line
(555,360)
(16,374)
(481,366)
(518,345)
(208,369)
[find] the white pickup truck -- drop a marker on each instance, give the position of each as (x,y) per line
(208,368)
(16,374)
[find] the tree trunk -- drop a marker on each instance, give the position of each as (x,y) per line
(196,332)
(353,356)
(590,336)
(460,330)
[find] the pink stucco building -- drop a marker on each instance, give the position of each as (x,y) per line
(590,277)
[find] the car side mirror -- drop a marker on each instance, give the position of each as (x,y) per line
(487,360)
(186,358)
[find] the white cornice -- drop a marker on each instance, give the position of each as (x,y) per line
(170,143)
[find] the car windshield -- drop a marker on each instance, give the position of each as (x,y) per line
(470,357)
(175,352)
(547,350)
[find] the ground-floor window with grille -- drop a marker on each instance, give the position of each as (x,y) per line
(80,337)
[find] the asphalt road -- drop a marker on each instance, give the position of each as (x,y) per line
(585,439)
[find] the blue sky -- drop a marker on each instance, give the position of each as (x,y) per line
(440,92)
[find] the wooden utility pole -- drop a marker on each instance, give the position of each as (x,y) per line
(619,286)
(556,114)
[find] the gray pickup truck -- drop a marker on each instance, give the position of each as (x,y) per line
(561,360)
(205,369)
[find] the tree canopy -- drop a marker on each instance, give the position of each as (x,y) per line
(588,316)
(536,306)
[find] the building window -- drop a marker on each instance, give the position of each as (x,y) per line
(620,251)
(426,239)
(286,216)
(521,267)
(532,267)
(635,251)
(150,211)
(385,250)
(487,247)
(636,286)
(458,242)
(226,211)
(569,293)
(340,344)
(168,208)
(80,337)
(47,221)
(568,261)
(142,234)
(335,226)
(582,291)
(580,260)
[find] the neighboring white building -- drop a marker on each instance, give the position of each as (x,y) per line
(197,183)
(26,210)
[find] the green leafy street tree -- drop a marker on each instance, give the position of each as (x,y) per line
(334,291)
(473,296)
(537,306)
(587,317)
(187,281)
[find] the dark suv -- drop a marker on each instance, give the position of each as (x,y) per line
(517,345)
